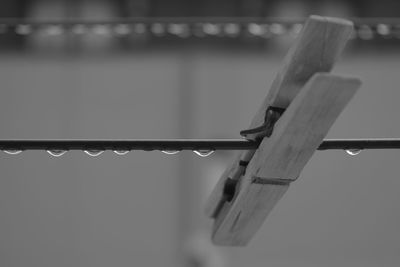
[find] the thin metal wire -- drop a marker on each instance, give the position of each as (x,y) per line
(198,27)
(370,21)
(360,144)
(185,144)
(137,144)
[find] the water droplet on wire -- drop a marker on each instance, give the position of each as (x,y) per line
(55,30)
(94,153)
(122,29)
(121,152)
(231,29)
(383,29)
(180,30)
(170,152)
(12,151)
(101,29)
(23,29)
(56,153)
(255,29)
(203,153)
(79,29)
(277,29)
(211,29)
(353,152)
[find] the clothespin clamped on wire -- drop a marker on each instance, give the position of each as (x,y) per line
(301,106)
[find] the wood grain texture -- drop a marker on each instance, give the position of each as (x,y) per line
(239,220)
(315,50)
(280,158)
(303,126)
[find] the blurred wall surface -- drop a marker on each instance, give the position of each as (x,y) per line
(146,208)
(124,210)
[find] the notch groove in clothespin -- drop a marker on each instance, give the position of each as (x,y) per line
(244,195)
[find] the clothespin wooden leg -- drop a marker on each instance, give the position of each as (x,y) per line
(280,158)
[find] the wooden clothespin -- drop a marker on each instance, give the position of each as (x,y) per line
(302,104)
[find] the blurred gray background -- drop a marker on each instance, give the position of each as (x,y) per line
(146,208)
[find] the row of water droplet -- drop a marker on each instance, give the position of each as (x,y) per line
(367,32)
(264,30)
(364,32)
(158,29)
(95,153)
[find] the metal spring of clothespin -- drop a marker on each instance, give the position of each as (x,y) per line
(272,114)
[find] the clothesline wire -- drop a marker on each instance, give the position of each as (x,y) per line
(186,144)
(371,21)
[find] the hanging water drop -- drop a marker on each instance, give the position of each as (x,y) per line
(180,30)
(121,152)
(55,30)
(203,153)
(170,152)
(101,29)
(277,28)
(79,29)
(122,29)
(255,29)
(353,152)
(211,29)
(12,151)
(23,29)
(232,29)
(383,29)
(94,153)
(56,153)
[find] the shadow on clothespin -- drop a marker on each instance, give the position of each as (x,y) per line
(301,106)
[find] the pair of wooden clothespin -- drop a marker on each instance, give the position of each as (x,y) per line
(302,104)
